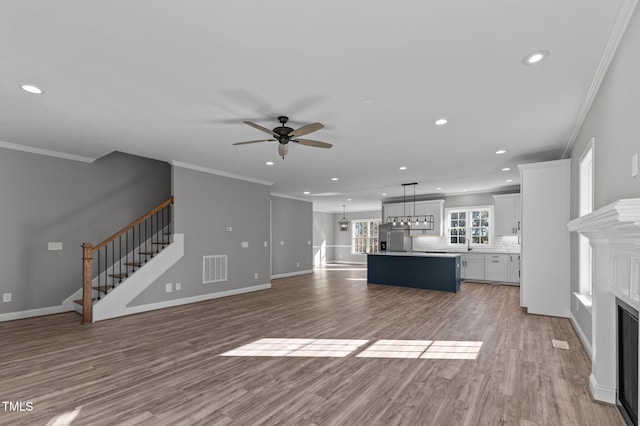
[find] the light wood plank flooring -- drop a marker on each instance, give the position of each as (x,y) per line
(164,368)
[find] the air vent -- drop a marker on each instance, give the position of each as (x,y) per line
(214,268)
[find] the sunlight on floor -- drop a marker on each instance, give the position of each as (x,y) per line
(338,348)
(64,419)
(333,348)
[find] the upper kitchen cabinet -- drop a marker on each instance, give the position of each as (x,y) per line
(507,214)
(433,208)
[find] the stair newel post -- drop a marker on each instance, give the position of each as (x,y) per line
(87,260)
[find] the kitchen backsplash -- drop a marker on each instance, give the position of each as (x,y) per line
(507,244)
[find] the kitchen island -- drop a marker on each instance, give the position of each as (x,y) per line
(431,271)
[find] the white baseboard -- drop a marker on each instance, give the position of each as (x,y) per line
(581,335)
(10,316)
(347,262)
(601,393)
(291,274)
(201,298)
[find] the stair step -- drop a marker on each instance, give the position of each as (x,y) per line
(118,275)
(133,263)
(103,289)
(161,243)
(79,301)
(146,253)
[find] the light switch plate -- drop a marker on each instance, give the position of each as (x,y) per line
(178,286)
(265,244)
(245,244)
(168,288)
(229,229)
(281,243)
(255,276)
(54,246)
(6,297)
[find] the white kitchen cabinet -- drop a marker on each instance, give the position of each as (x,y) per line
(472,266)
(507,214)
(514,269)
(545,251)
(496,267)
(396,210)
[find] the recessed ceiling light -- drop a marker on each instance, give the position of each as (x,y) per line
(403,168)
(348,199)
(384,193)
(509,180)
(438,189)
(367,102)
(501,151)
(306,192)
(269,163)
(535,57)
(464,190)
(440,122)
(506,169)
(31,89)
(334,178)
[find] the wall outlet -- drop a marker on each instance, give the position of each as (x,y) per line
(281,243)
(297,264)
(6,297)
(634,165)
(265,244)
(245,244)
(178,286)
(308,242)
(54,246)
(255,276)
(229,229)
(168,288)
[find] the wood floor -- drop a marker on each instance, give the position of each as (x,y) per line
(165,368)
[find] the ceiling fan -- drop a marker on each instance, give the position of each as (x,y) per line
(284,135)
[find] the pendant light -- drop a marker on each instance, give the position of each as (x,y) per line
(343,223)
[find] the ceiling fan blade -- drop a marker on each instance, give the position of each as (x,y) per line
(309,142)
(261,140)
(259,127)
(305,130)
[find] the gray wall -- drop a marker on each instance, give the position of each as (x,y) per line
(613,122)
(52,199)
(205,205)
(342,239)
(323,230)
(292,235)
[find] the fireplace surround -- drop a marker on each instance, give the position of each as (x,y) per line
(614,235)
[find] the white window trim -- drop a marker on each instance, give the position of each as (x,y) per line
(353,229)
(585,256)
(447,218)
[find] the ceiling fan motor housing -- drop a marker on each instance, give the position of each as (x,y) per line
(283,133)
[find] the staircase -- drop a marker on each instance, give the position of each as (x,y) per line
(108,264)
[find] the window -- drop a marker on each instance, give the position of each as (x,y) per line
(364,236)
(585,207)
(471,226)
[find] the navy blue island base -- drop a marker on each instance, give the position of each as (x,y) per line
(417,270)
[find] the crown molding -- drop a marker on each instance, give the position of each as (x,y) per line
(274,194)
(624,16)
(218,172)
(47,152)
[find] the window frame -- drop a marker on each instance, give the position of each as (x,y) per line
(368,237)
(468,228)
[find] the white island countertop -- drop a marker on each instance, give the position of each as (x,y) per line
(414,254)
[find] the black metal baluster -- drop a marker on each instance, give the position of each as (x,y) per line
(98,275)
(126,251)
(113,261)
(120,255)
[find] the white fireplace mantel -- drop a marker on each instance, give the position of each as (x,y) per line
(614,234)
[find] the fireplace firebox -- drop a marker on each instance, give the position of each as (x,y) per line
(627,394)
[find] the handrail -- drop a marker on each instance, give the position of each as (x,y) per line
(134,223)
(128,234)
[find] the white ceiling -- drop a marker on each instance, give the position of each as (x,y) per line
(173,80)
